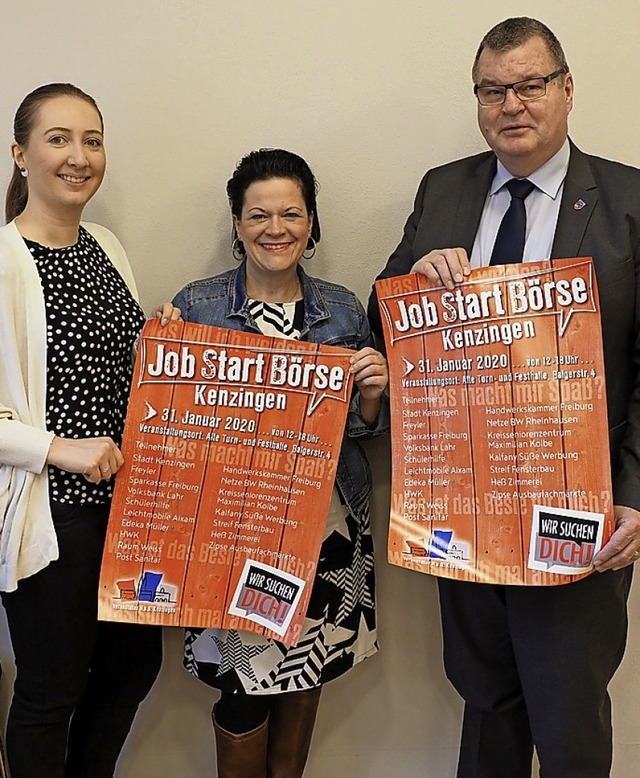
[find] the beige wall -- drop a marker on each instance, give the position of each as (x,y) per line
(371,92)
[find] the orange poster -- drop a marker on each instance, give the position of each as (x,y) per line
(231,445)
(500,445)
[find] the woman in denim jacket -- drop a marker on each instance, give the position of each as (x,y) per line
(270,692)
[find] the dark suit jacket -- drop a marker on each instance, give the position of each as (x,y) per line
(446,214)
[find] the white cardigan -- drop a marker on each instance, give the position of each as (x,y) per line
(27,536)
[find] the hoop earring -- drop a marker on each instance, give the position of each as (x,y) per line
(238,250)
(24,172)
(311,247)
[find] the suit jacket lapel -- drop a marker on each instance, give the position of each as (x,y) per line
(579,198)
(471,203)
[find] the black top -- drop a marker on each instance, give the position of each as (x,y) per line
(92,324)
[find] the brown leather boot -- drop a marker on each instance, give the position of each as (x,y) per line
(241,756)
(291,719)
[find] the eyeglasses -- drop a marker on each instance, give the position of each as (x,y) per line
(529,89)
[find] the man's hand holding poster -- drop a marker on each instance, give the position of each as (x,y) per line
(231,445)
(499,423)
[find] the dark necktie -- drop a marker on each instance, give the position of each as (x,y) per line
(509,245)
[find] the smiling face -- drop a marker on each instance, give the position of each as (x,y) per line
(64,156)
(274,227)
(524,134)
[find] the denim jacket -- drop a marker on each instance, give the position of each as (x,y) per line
(333,316)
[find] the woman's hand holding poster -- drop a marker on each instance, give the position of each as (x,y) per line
(500,468)
(231,445)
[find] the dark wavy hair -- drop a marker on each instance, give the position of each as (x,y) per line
(511,33)
(263,164)
(23,123)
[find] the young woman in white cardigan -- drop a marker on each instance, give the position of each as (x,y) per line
(68,322)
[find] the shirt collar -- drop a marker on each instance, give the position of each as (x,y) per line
(548,178)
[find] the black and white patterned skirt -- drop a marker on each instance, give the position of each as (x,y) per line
(339,630)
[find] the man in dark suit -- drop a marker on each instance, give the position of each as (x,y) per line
(533,663)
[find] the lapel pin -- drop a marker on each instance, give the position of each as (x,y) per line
(579,205)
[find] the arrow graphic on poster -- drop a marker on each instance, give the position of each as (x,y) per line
(408,366)
(151,411)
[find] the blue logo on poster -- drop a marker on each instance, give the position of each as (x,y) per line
(149,586)
(439,543)
(148,589)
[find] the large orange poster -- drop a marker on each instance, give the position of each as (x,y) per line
(500,468)
(231,445)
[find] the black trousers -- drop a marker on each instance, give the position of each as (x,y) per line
(79,681)
(533,665)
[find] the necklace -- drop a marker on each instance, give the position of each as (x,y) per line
(274,297)
(295,292)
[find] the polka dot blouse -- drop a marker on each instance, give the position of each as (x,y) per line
(92,324)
